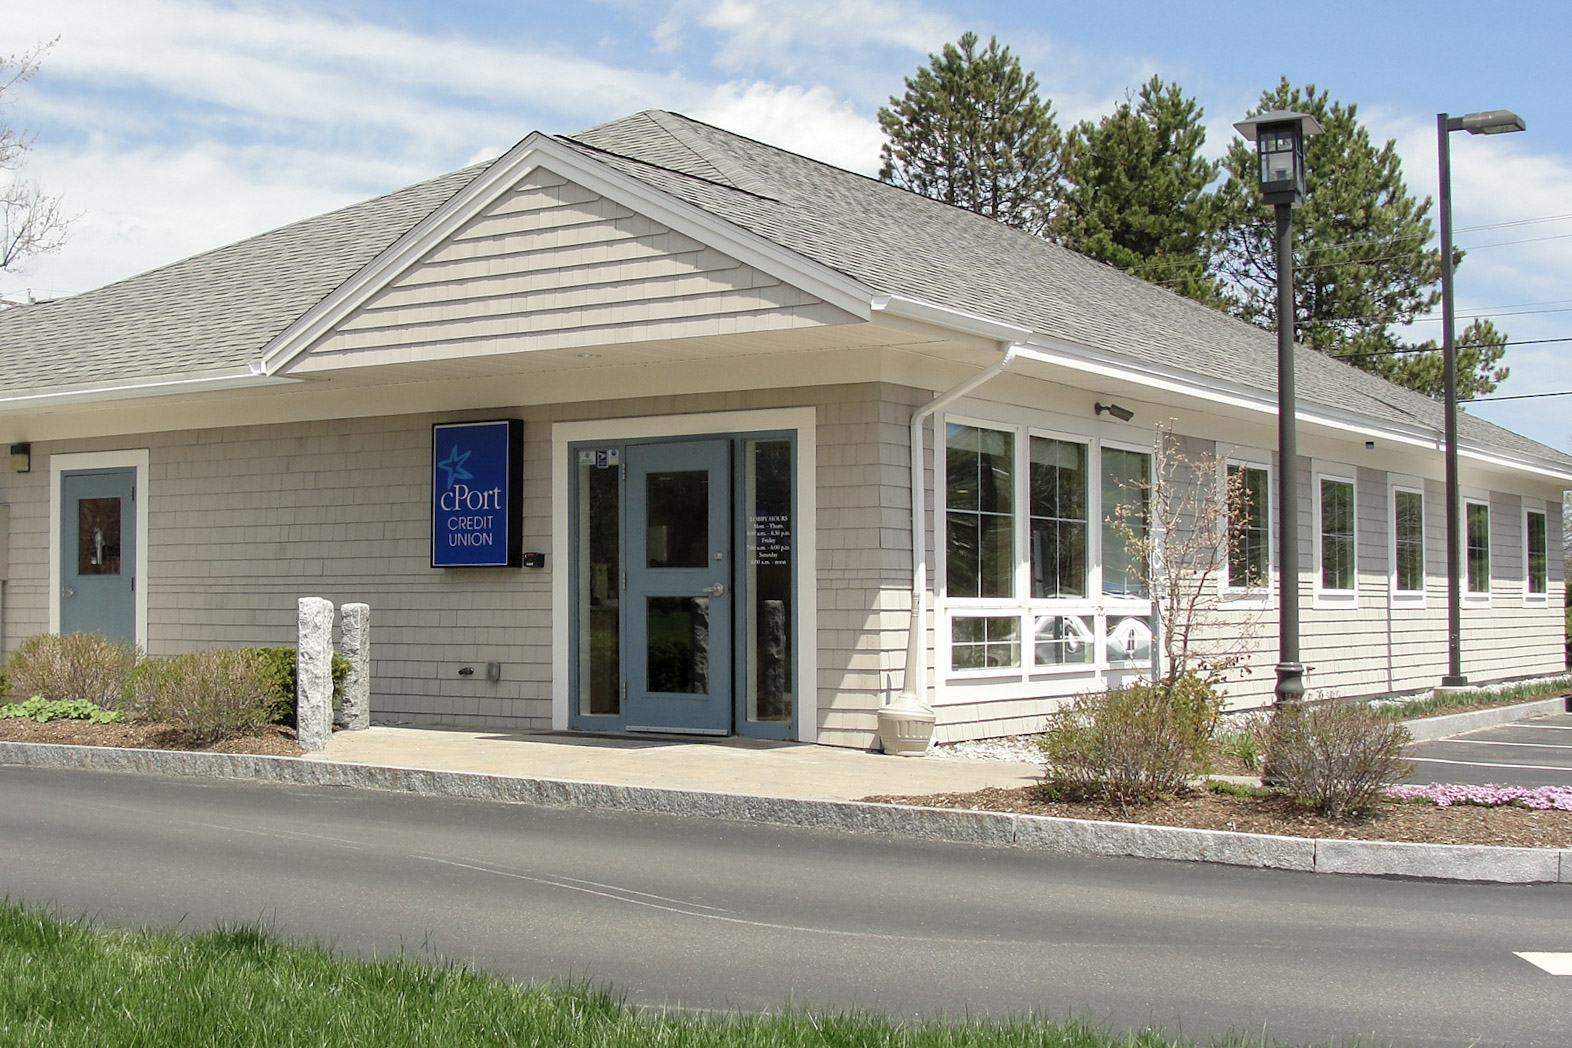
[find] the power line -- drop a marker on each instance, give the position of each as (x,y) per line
(1519,396)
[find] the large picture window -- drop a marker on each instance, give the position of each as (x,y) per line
(1408,541)
(1538,578)
(1043,545)
(1059,488)
(1476,517)
(1249,530)
(979,502)
(1337,534)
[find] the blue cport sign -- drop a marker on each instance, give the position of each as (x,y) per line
(477,504)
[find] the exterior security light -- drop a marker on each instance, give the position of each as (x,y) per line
(22,458)
(1122,414)
(1279,138)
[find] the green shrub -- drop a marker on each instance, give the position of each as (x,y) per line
(87,667)
(205,695)
(281,663)
(1335,756)
(1244,746)
(1132,744)
(44,710)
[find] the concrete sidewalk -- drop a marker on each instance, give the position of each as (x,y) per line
(788,770)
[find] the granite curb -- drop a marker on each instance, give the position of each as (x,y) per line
(1042,833)
(1428,729)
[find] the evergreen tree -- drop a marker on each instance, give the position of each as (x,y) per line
(1136,191)
(971,131)
(1363,264)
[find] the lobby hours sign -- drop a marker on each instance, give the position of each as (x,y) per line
(476,498)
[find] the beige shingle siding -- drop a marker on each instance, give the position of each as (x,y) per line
(554,265)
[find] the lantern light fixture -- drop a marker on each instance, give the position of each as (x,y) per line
(1279,138)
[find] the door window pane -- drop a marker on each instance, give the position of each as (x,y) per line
(599,583)
(677,510)
(979,500)
(1126,477)
(1058,518)
(769,529)
(1478,520)
(98,536)
(1337,535)
(1537,575)
(1408,529)
(679,645)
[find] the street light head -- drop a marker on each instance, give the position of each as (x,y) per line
(1494,122)
(1280,152)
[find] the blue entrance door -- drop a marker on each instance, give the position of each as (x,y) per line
(679,604)
(98,553)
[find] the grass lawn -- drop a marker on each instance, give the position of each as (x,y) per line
(67,983)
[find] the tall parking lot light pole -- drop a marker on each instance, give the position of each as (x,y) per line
(1279,138)
(1493,122)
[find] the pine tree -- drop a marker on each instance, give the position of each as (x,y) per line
(971,131)
(1363,264)
(1136,191)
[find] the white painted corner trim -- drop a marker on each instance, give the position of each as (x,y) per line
(135,458)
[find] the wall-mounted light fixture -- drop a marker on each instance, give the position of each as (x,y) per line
(1122,414)
(22,458)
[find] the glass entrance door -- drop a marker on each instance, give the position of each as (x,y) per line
(678,600)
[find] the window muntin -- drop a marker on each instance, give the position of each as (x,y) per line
(1408,541)
(1337,534)
(1476,518)
(1060,557)
(1126,482)
(1538,561)
(1249,527)
(979,506)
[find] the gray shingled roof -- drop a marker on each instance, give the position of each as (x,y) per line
(905,244)
(218,310)
(211,312)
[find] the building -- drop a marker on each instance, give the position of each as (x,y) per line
(688,365)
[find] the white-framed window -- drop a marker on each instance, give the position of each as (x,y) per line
(1336,530)
(1536,556)
(1038,576)
(1476,548)
(1247,523)
(1408,542)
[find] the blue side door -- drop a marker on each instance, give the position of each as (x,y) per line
(678,661)
(98,553)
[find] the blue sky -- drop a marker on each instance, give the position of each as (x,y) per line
(172,126)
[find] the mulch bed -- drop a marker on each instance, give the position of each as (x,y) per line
(274,740)
(1422,823)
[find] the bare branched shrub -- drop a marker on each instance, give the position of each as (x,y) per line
(1335,756)
(205,695)
(1130,745)
(69,667)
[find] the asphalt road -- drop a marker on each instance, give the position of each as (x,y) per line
(1533,752)
(718,915)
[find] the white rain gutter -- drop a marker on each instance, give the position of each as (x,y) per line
(914,689)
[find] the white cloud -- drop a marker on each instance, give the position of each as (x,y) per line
(789,36)
(810,121)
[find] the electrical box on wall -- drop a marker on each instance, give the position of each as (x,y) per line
(534,560)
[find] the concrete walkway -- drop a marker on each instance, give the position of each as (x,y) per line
(788,770)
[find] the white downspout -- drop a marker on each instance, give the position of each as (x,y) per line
(914,689)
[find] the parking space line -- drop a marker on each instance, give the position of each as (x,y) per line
(1481,764)
(1535,745)
(1554,963)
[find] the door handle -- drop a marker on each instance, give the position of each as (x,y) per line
(715,589)
(67,591)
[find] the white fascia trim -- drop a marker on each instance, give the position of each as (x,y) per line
(169,385)
(944,316)
(541,150)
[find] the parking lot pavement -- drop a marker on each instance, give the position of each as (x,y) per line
(1529,753)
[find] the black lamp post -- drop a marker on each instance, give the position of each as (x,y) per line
(1494,122)
(1279,138)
